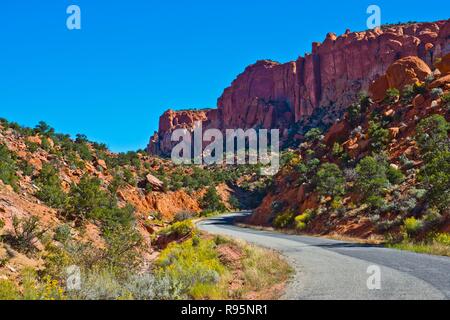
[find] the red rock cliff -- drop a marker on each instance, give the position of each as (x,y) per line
(273,95)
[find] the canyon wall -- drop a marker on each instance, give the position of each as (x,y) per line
(273,95)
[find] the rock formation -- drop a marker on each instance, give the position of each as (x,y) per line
(273,95)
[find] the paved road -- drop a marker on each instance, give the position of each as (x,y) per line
(330,269)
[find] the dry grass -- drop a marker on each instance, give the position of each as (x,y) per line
(434,248)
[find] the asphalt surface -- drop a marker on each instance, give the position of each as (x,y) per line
(331,269)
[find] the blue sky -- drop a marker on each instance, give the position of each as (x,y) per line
(134,59)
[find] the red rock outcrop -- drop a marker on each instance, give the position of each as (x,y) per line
(270,94)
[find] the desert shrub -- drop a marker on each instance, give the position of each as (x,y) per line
(435,176)
(32,146)
(436,93)
(25,234)
(129,177)
(378,136)
(446,99)
(432,135)
(43,129)
(117,183)
(8,167)
(182,216)
(408,93)
(8,290)
(234,202)
(372,180)
(211,201)
(412,226)
(354,113)
(86,198)
(142,286)
(394,175)
(420,88)
(121,253)
(337,150)
(283,220)
(26,168)
(188,270)
(442,238)
(63,233)
(405,162)
(313,135)
(180,228)
(302,220)
(49,184)
(330,180)
(101,285)
(392,95)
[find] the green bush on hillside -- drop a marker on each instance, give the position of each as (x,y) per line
(49,184)
(330,180)
(8,167)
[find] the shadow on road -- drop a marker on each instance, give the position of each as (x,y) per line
(306,241)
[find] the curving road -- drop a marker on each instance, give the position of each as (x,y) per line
(330,269)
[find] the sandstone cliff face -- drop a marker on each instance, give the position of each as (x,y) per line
(273,95)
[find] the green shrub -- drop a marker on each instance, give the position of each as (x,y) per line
(435,176)
(25,234)
(432,136)
(302,220)
(63,233)
(354,113)
(211,201)
(412,226)
(182,216)
(408,93)
(180,228)
(378,136)
(313,135)
(395,176)
(330,180)
(189,271)
(87,198)
(283,220)
(392,95)
(8,167)
(49,185)
(8,290)
(442,238)
(372,180)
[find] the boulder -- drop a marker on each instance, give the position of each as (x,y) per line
(444,64)
(154,182)
(407,71)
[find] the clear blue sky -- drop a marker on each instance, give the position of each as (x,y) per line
(134,59)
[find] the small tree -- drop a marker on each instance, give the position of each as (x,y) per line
(8,167)
(392,95)
(371,180)
(436,177)
(211,201)
(330,180)
(86,198)
(313,135)
(49,184)
(432,136)
(378,135)
(44,129)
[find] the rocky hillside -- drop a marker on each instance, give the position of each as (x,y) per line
(383,172)
(315,89)
(70,202)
